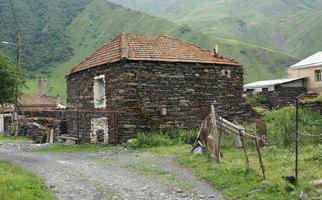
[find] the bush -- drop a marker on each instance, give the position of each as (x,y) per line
(155,139)
(258,100)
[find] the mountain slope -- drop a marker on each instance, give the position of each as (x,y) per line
(43,24)
(290,26)
(91,23)
(101,21)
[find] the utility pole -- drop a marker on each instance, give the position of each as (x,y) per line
(15,114)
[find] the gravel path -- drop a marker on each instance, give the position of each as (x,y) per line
(111,175)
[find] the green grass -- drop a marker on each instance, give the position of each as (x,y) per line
(17,184)
(170,137)
(82,148)
(232,178)
(13,139)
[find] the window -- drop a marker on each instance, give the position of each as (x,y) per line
(318,76)
(258,90)
(271,88)
(226,73)
(99,92)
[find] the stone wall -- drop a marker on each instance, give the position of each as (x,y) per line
(282,96)
(159,95)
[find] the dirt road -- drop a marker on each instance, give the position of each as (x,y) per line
(111,175)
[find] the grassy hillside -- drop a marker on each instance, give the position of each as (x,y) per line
(43,24)
(101,21)
(290,26)
(63,33)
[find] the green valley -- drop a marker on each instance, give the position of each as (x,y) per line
(78,29)
(290,26)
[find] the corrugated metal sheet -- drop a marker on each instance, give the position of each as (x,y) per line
(312,61)
(270,83)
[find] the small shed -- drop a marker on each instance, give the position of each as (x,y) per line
(279,92)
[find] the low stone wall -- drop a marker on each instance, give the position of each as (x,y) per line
(282,96)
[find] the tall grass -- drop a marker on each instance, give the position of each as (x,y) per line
(281,125)
(171,137)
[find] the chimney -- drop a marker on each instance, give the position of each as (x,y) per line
(216,50)
(42,86)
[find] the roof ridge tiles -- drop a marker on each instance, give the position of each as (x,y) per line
(124,47)
(129,46)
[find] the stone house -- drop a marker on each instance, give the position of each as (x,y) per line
(158,82)
(311,68)
(279,92)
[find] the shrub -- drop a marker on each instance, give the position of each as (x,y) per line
(257,100)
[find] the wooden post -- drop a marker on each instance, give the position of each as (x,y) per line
(214,130)
(77,121)
(32,122)
(219,140)
(297,138)
(51,137)
(1,123)
(244,147)
(260,158)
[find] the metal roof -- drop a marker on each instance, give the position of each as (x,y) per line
(269,83)
(312,61)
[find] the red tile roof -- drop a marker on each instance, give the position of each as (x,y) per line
(149,48)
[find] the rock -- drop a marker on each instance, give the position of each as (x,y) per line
(70,142)
(303,196)
(178,190)
(317,184)
(198,151)
(255,191)
(319,191)
(144,188)
(184,195)
(34,131)
(211,196)
(132,141)
(265,183)
(293,195)
(202,196)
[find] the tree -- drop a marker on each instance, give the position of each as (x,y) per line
(12,80)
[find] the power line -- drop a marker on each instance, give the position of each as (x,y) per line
(14,15)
